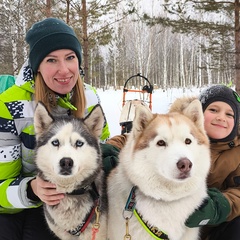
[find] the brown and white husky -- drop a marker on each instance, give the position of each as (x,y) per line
(161,176)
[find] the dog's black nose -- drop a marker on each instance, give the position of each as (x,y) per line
(184,165)
(66,165)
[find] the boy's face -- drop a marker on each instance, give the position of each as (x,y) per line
(218,120)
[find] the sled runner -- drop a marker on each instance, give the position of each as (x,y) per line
(143,89)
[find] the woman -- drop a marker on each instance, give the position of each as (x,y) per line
(51,76)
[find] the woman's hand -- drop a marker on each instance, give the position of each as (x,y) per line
(46,191)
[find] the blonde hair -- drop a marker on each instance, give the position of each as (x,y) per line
(47,96)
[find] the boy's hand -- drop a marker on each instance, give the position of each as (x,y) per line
(110,157)
(214,210)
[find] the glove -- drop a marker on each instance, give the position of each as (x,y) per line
(213,211)
(110,157)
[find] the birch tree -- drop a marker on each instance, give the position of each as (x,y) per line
(220,26)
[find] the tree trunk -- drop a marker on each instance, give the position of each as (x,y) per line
(68,9)
(48,9)
(182,70)
(165,58)
(85,41)
(237,46)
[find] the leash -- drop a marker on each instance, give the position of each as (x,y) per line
(130,209)
(96,225)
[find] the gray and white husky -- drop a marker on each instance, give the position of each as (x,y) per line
(68,154)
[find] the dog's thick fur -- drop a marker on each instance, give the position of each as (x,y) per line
(167,158)
(68,155)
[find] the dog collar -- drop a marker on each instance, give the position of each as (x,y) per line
(79,191)
(91,189)
(81,227)
(155,232)
(130,206)
(95,209)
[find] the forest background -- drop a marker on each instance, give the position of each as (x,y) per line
(181,43)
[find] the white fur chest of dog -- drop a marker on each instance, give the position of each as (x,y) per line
(68,154)
(167,158)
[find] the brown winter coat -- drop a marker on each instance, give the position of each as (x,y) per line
(225,176)
(118,141)
(225,173)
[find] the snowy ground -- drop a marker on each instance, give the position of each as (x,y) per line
(112,103)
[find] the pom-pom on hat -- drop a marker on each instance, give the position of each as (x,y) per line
(50,35)
(223,94)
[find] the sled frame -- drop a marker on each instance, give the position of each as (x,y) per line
(148,88)
(128,106)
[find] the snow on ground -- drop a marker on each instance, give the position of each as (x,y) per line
(111,101)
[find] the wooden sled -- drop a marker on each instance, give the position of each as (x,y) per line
(145,89)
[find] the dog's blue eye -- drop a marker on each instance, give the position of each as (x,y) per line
(79,143)
(188,141)
(55,143)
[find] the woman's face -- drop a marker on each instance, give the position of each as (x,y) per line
(218,120)
(60,70)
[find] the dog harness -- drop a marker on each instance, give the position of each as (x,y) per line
(130,206)
(95,209)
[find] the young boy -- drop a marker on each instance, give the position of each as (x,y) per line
(221,210)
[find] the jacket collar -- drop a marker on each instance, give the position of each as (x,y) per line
(25,78)
(221,146)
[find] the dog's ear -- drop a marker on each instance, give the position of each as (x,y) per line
(143,116)
(95,120)
(195,113)
(42,119)
(180,104)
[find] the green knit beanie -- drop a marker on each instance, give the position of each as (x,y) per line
(50,35)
